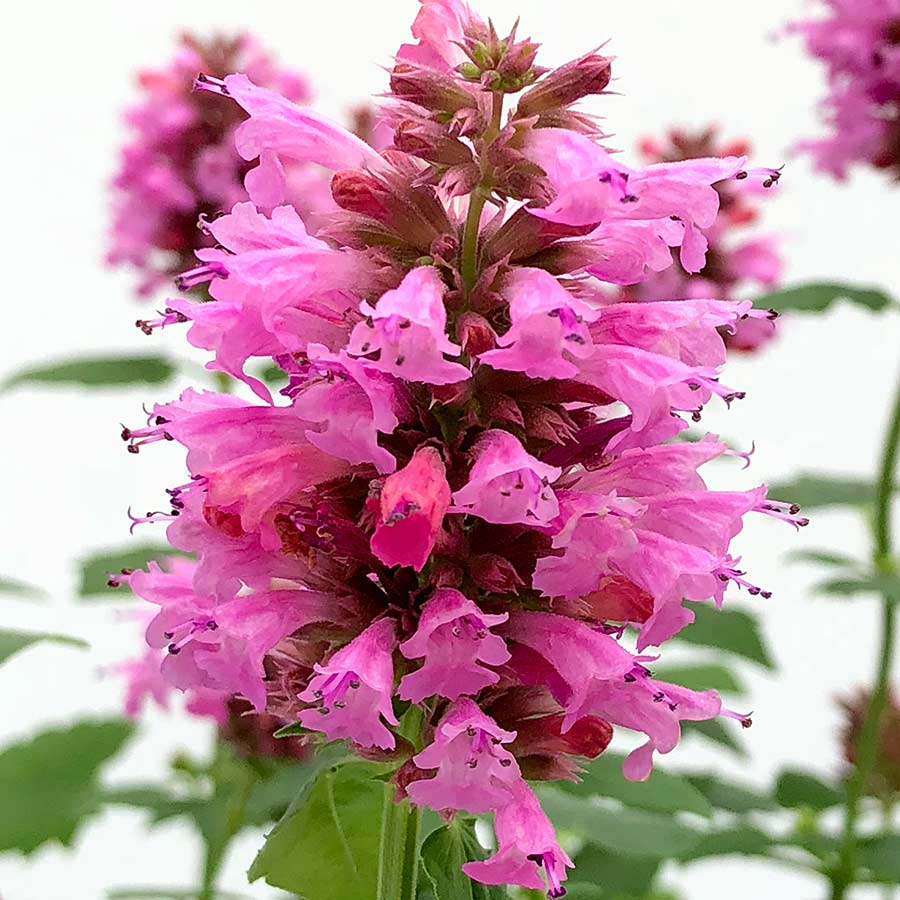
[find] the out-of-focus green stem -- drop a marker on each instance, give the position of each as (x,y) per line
(844,875)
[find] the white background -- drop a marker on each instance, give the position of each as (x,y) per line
(816,399)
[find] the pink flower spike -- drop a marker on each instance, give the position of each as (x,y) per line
(507,485)
(548,327)
(413,503)
(407,327)
(474,771)
(353,690)
(527,847)
(454,637)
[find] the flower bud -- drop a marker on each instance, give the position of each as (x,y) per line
(430,141)
(430,89)
(475,334)
(360,193)
(492,572)
(566,85)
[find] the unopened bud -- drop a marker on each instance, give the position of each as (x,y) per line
(475,334)
(566,85)
(430,141)
(359,193)
(494,573)
(430,89)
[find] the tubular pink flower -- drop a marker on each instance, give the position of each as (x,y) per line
(352,691)
(548,327)
(412,506)
(279,130)
(506,484)
(474,771)
(352,403)
(528,853)
(407,328)
(453,635)
(439,26)
(581,656)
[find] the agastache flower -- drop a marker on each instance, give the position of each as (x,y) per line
(734,264)
(412,505)
(506,484)
(465,495)
(352,691)
(454,637)
(529,854)
(180,164)
(407,329)
(859,46)
(475,772)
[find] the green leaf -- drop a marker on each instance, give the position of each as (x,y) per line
(816,491)
(825,557)
(98,371)
(294,729)
(630,832)
(96,568)
(443,854)
(618,875)
(881,856)
(11,642)
(581,890)
(327,845)
(738,840)
(156,800)
(21,588)
(49,784)
(702,678)
(728,630)
(795,790)
(888,585)
(728,795)
(715,731)
(819,296)
(662,792)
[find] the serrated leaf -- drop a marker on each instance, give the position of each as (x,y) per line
(331,830)
(731,796)
(795,790)
(630,832)
(729,630)
(49,783)
(816,491)
(97,371)
(820,296)
(713,730)
(21,588)
(702,678)
(661,792)
(738,840)
(96,568)
(11,642)
(443,854)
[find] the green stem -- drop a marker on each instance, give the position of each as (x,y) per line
(468,266)
(867,749)
(217,845)
(398,864)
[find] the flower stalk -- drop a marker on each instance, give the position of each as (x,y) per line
(845,874)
